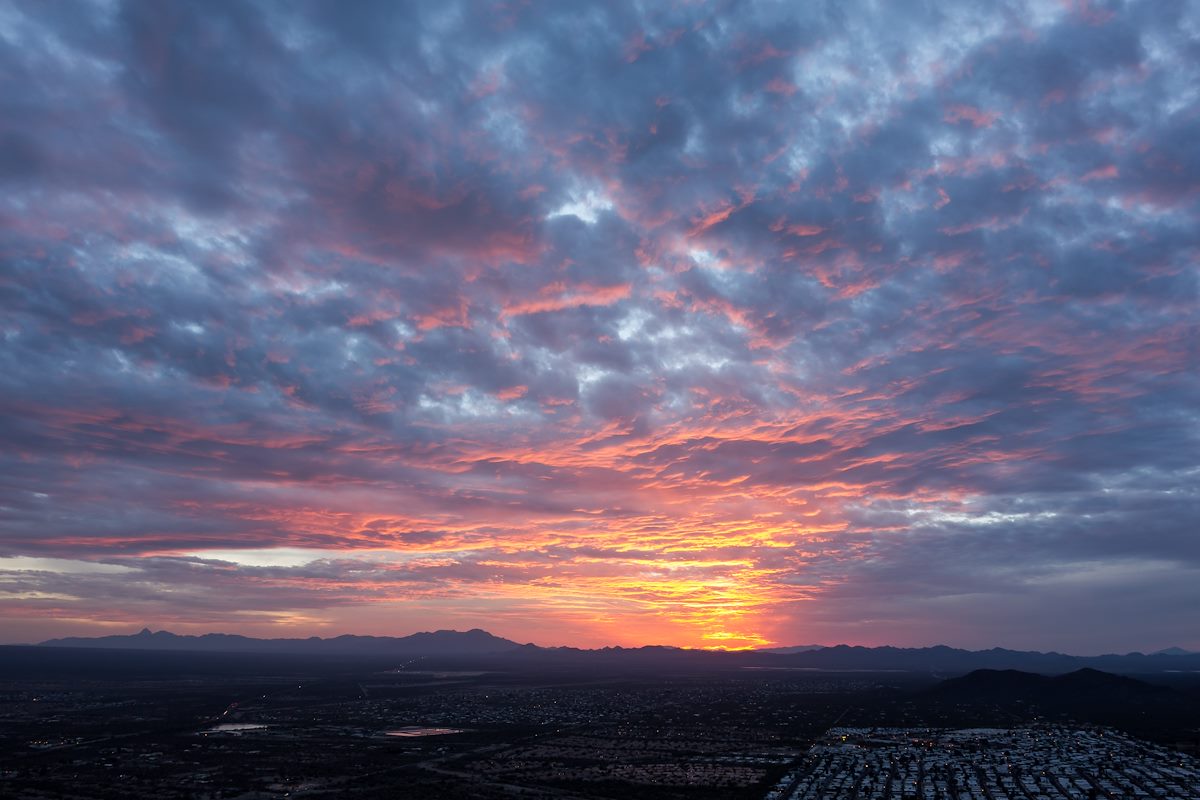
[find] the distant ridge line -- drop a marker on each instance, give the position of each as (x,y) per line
(477,644)
(441,642)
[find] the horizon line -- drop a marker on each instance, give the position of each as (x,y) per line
(1191,650)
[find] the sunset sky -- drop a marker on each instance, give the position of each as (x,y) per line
(710,324)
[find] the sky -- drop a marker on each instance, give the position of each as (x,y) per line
(721,324)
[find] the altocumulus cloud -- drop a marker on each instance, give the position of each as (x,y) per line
(607,322)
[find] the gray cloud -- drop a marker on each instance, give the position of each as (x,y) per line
(875,305)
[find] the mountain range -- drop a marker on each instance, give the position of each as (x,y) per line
(436,643)
(479,645)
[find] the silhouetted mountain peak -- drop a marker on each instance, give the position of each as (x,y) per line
(1173,651)
(442,642)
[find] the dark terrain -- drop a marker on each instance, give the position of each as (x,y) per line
(651,722)
(503,653)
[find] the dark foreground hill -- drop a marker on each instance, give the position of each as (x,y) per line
(1082,687)
(1085,695)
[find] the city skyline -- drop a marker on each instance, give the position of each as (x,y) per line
(710,325)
